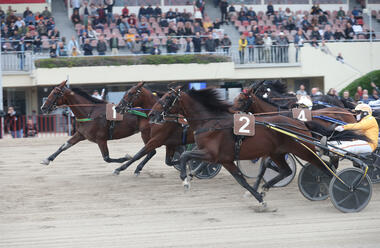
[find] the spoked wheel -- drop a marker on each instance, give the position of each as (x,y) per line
(355,195)
(208,170)
(272,171)
(313,182)
(374,173)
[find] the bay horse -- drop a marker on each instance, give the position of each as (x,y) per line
(256,100)
(212,121)
(91,122)
(171,133)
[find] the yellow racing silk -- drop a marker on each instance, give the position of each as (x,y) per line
(368,126)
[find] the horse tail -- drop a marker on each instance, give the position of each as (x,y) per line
(346,135)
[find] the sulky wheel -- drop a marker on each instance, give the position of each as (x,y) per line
(374,173)
(353,196)
(313,182)
(202,169)
(177,154)
(272,171)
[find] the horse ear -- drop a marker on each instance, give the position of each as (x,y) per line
(63,84)
(141,84)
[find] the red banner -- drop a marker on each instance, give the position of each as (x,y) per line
(21,1)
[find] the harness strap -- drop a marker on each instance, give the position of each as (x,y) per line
(111,129)
(84,119)
(238,141)
(138,113)
(184,134)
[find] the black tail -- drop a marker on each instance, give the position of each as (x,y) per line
(329,132)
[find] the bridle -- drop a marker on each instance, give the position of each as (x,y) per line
(57,93)
(168,104)
(124,104)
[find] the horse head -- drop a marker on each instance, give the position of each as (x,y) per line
(167,105)
(243,101)
(55,98)
(131,98)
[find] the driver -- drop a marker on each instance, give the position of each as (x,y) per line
(367,124)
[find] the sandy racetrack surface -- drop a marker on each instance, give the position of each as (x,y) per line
(77,202)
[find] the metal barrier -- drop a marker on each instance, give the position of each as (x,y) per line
(36,126)
(16,61)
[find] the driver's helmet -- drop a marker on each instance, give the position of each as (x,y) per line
(363,108)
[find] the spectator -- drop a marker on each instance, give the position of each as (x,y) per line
(61,50)
(171,45)
(142,12)
(76,4)
(98,96)
(365,99)
(226,44)
(114,44)
(270,9)
(338,35)
(189,46)
(86,13)
(132,21)
(188,29)
(15,123)
(125,11)
(340,58)
(315,92)
(375,94)
(87,48)
(283,45)
(356,13)
(156,50)
(242,45)
(147,45)
(341,14)
(267,47)
(73,43)
(358,94)
(163,22)
(316,34)
(149,11)
(346,96)
(46,13)
(301,91)
(210,44)
(299,40)
(349,32)
(136,45)
(322,19)
(109,7)
(315,10)
(250,44)
(157,11)
(30,129)
(53,51)
(327,35)
(197,43)
(25,14)
(332,92)
(223,10)
(101,47)
(75,18)
(37,43)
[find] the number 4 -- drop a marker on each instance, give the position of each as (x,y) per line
(302,116)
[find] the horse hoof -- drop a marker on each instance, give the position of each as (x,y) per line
(186,184)
(116,172)
(45,162)
(264,208)
(137,174)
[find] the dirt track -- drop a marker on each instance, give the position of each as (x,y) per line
(77,202)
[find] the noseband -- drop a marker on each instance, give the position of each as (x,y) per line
(57,93)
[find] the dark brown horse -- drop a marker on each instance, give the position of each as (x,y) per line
(212,121)
(254,100)
(171,133)
(91,123)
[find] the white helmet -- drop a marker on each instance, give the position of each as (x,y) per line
(364,108)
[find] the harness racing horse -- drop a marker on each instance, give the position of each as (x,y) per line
(173,133)
(212,121)
(91,122)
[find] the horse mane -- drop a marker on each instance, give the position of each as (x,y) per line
(277,85)
(278,90)
(329,100)
(346,135)
(84,94)
(210,99)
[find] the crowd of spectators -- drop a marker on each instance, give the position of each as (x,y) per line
(28,31)
(148,31)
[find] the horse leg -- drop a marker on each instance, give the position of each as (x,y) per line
(138,155)
(169,157)
(72,141)
(186,156)
(236,173)
(260,176)
(142,164)
(284,170)
(105,153)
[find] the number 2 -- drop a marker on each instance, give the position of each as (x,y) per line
(301,116)
(243,128)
